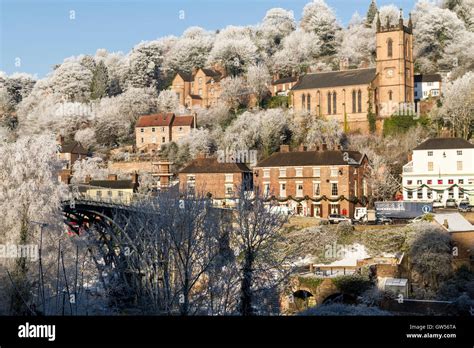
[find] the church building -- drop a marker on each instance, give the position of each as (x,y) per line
(359,99)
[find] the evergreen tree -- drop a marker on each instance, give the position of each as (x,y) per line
(99,81)
(371,13)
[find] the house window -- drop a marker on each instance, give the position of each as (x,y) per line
(299,171)
(364,187)
(419,194)
(450,181)
(459,165)
(409,195)
(430,153)
(459,152)
(429,182)
(266,173)
(419,182)
(229,189)
(98,193)
(430,166)
(308,103)
(334,191)
(229,177)
(282,189)
(451,193)
(163,139)
(200,81)
(283,172)
(266,189)
(109,193)
(461,181)
(390,48)
(440,182)
(200,91)
(317,189)
(333,172)
(409,182)
(430,194)
(303,101)
(142,130)
(162,129)
(299,189)
(317,172)
(120,193)
(142,140)
(334,208)
(430,84)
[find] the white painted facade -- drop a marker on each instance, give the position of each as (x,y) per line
(423,90)
(439,169)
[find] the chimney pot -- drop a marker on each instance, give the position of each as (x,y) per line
(284,148)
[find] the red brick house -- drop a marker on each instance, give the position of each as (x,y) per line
(314,183)
(206,176)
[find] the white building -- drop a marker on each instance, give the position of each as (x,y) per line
(441,168)
(428,85)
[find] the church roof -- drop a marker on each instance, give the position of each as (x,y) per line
(336,79)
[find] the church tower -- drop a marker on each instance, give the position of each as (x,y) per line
(394,62)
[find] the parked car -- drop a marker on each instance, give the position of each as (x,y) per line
(451,203)
(464,207)
(438,204)
(337,218)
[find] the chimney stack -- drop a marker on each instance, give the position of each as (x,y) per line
(302,148)
(324,147)
(284,148)
(87,179)
(60,139)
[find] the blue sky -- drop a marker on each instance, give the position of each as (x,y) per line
(39,33)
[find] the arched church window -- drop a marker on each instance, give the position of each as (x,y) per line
(407,48)
(334,102)
(359,101)
(329,103)
(308,99)
(390,95)
(390,48)
(354,101)
(303,101)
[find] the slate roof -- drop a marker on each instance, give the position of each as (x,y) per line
(186,76)
(444,144)
(73,147)
(211,165)
(335,79)
(310,158)
(113,184)
(428,78)
(285,80)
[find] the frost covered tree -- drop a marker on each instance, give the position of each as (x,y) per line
(86,137)
(258,79)
(319,18)
(435,29)
(299,51)
(145,62)
(168,101)
(198,141)
(94,167)
(29,193)
(234,49)
(234,91)
(361,49)
(323,131)
(387,13)
(458,105)
(18,86)
(190,51)
(464,9)
(72,81)
(276,25)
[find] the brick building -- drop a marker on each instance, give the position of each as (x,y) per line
(152,131)
(206,176)
(314,183)
(201,88)
(68,154)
